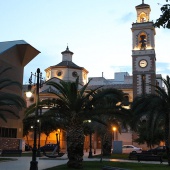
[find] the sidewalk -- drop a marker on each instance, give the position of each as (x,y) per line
(23,163)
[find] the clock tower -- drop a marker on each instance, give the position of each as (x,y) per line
(143,52)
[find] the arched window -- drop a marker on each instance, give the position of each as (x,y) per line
(142,17)
(142,41)
(126,101)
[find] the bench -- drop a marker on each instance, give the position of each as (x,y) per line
(11,152)
(133,155)
(112,168)
(60,154)
(147,157)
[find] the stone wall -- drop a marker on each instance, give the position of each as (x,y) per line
(9,143)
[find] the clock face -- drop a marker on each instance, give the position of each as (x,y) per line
(143,63)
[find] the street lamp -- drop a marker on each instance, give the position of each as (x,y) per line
(90,151)
(34,163)
(58,140)
(114,130)
(113,137)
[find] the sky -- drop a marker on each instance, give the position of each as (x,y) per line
(98,32)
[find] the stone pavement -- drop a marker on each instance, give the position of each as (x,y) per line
(23,163)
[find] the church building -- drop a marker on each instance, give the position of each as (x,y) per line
(143,74)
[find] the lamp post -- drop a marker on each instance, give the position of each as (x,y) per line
(34,163)
(39,135)
(58,140)
(90,146)
(90,151)
(114,130)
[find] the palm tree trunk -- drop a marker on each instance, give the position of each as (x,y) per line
(75,145)
(168,142)
(167,136)
(27,139)
(46,139)
(107,143)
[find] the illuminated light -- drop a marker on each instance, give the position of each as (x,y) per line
(58,131)
(126,107)
(114,129)
(29,94)
(149,47)
(118,104)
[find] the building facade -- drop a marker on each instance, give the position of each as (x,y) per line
(143,52)
(14,54)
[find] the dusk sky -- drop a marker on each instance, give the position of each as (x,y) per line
(98,32)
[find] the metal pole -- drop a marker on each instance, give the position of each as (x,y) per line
(90,151)
(34,163)
(39,135)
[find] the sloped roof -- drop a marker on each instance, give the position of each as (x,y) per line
(142,6)
(68,64)
(26,52)
(48,90)
(67,51)
(116,86)
(8,44)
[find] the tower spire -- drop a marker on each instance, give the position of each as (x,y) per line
(142,1)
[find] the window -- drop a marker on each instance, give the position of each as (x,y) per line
(59,73)
(74,74)
(8,132)
(143,77)
(143,17)
(142,41)
(126,101)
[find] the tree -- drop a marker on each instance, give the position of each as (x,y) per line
(164,19)
(78,103)
(155,108)
(9,102)
(48,124)
(111,113)
(27,123)
(150,136)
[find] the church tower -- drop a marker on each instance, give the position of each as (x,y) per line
(143,52)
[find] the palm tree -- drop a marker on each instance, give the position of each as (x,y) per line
(150,136)
(48,124)
(9,102)
(155,108)
(77,104)
(111,112)
(27,123)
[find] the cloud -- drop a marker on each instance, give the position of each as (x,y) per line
(122,69)
(163,68)
(126,18)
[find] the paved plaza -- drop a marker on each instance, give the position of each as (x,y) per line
(23,163)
